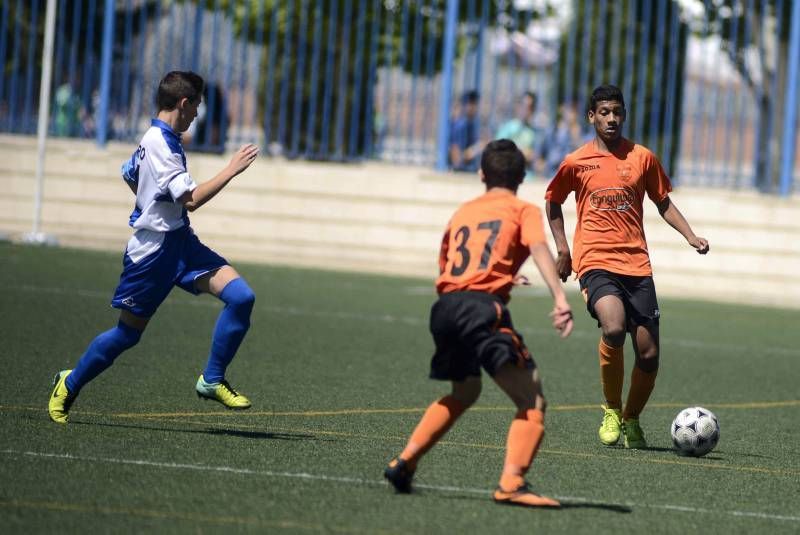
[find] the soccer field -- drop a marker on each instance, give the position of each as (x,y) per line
(336,366)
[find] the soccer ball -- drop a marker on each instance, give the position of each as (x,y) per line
(695,431)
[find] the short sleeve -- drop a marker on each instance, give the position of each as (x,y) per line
(130,169)
(170,172)
(562,185)
(656,181)
(445,245)
(181,184)
(532,226)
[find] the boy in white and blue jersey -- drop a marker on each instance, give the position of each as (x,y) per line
(164,252)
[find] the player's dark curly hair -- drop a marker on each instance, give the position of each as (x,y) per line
(177,85)
(503,164)
(604,92)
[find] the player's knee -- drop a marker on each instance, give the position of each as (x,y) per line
(467,392)
(117,340)
(529,399)
(239,295)
(614,334)
(648,360)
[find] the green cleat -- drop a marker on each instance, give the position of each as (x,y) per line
(222,392)
(60,400)
(634,436)
(610,428)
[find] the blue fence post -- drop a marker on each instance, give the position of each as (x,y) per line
(790,104)
(105,73)
(445,98)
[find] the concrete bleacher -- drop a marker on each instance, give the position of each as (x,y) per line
(381,218)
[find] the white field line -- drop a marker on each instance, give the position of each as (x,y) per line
(368,482)
(412,320)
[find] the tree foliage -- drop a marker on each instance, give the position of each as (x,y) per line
(639,46)
(321,60)
(754,35)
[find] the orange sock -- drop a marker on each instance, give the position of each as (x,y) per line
(642,384)
(439,417)
(612,370)
(524,437)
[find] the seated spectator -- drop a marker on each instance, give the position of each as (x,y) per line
(465,145)
(523,133)
(66,112)
(569,133)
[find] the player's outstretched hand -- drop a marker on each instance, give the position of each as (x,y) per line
(243,157)
(701,244)
(562,320)
(564,265)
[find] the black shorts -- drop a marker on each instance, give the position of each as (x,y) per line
(638,294)
(473,330)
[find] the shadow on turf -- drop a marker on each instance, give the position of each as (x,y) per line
(613,507)
(657,448)
(565,504)
(264,435)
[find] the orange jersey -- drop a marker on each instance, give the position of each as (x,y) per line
(486,242)
(609,192)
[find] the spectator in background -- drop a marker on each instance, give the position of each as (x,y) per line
(209,132)
(523,133)
(465,144)
(67,112)
(569,133)
(380,127)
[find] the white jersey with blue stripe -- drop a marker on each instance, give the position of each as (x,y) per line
(158,171)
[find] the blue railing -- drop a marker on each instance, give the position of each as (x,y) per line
(711,87)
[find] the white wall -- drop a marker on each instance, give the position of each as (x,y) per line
(387,219)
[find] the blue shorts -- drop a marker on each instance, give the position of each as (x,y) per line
(179,261)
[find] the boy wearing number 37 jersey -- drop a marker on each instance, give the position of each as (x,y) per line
(486,242)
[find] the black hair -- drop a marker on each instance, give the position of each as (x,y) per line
(604,92)
(177,85)
(503,164)
(533,96)
(470,96)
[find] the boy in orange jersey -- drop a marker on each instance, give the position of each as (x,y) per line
(610,176)
(485,244)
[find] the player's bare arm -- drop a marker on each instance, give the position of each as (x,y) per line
(562,313)
(204,192)
(555,217)
(675,218)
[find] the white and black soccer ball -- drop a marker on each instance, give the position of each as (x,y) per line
(695,431)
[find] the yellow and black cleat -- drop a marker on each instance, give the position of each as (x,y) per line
(222,392)
(61,399)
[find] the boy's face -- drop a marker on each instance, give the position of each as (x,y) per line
(471,108)
(187,111)
(608,118)
(526,108)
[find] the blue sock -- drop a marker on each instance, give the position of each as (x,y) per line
(101,354)
(232,325)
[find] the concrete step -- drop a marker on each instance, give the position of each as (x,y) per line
(387,219)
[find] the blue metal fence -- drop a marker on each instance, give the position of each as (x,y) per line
(711,86)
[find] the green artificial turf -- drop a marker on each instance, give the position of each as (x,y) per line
(336,366)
